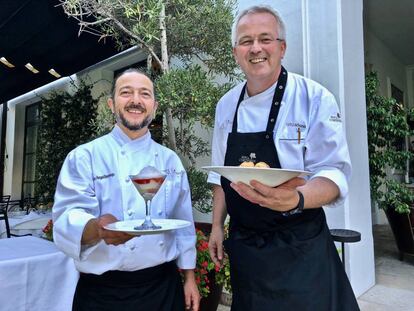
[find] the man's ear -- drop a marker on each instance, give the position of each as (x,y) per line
(283,47)
(111,104)
(234,55)
(155,108)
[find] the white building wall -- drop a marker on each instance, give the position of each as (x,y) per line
(380,58)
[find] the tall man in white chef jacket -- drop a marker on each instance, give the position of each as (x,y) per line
(119,271)
(281,254)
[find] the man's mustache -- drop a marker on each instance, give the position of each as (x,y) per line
(136,107)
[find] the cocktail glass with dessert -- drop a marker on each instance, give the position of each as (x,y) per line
(147,182)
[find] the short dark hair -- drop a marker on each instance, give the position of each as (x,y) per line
(129,70)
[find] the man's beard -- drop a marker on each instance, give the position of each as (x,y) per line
(120,118)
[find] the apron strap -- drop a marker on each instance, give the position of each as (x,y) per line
(277,99)
(274,109)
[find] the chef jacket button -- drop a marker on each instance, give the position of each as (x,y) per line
(159,212)
(132,247)
(129,212)
(281,87)
(272,120)
(123,152)
(127,179)
(276,103)
(161,243)
(267,136)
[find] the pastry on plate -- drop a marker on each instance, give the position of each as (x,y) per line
(262,164)
(247,164)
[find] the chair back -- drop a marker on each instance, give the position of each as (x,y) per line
(4,205)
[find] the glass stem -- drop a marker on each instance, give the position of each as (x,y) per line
(148,211)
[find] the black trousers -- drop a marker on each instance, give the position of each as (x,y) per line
(153,289)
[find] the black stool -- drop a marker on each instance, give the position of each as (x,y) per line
(345,236)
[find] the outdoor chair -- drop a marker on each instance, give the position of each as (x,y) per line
(4,205)
(27,205)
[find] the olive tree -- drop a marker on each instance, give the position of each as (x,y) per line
(188,31)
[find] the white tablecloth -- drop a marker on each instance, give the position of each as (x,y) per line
(32,223)
(35,276)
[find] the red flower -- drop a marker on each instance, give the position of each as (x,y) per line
(48,230)
(205,265)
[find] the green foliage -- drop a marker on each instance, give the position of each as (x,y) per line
(104,121)
(206,271)
(201,28)
(387,126)
(65,124)
(192,96)
(200,190)
(195,28)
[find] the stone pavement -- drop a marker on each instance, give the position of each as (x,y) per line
(394,289)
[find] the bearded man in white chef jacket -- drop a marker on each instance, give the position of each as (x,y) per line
(119,271)
(281,254)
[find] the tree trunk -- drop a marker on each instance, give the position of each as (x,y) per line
(165,68)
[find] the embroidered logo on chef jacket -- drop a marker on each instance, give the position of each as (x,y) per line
(336,118)
(172,171)
(103,176)
(295,131)
(296,125)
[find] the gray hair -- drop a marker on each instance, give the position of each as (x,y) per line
(258,9)
(129,70)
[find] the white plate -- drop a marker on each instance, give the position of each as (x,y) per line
(271,177)
(129,225)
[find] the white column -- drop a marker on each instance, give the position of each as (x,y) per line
(333,44)
(361,263)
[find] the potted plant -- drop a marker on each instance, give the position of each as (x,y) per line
(388,126)
(210,279)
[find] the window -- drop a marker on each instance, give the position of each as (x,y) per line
(32,121)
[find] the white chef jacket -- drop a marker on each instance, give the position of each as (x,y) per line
(94,181)
(308,107)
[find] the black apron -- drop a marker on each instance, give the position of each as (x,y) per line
(278,262)
(157,288)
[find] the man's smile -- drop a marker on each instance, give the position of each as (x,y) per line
(257,60)
(135,109)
